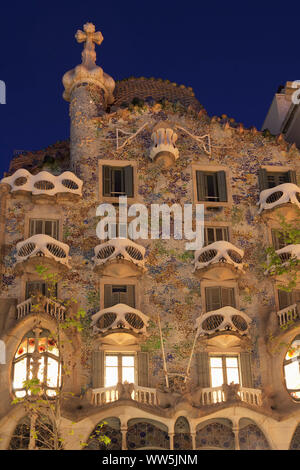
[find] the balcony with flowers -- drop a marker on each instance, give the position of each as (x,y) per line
(44,187)
(119,257)
(220,260)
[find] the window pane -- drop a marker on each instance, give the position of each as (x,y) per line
(52,372)
(111,376)
(232,375)
(216,362)
(231,362)
(292,375)
(217,377)
(111,360)
(294,350)
(20,373)
(22,349)
(128,374)
(127,360)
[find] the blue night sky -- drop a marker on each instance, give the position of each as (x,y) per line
(234,56)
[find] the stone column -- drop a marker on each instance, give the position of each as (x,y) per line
(235,429)
(124,434)
(171,436)
(193,435)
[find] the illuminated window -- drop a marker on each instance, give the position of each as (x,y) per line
(119,368)
(224,369)
(292,369)
(46,366)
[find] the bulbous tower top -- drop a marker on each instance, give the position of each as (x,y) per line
(88,71)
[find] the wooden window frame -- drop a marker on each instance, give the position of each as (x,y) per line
(224,228)
(119,355)
(117,164)
(116,282)
(54,230)
(224,367)
(221,297)
(212,169)
(264,170)
(112,286)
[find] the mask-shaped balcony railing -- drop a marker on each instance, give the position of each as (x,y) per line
(118,318)
(281,194)
(288,253)
(224,319)
(120,250)
(219,252)
(44,183)
(41,304)
(43,246)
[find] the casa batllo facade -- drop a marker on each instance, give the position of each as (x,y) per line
(179,349)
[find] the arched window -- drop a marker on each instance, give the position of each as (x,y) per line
(215,434)
(182,436)
(292,369)
(109,428)
(295,442)
(147,433)
(34,433)
(251,437)
(37,357)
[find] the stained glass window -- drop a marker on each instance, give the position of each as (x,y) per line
(215,435)
(110,429)
(41,430)
(252,438)
(146,434)
(46,363)
(292,369)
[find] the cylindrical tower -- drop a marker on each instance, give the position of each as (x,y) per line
(89,91)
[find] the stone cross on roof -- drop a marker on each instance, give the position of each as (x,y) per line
(89,37)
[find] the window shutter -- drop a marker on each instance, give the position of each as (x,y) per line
(143,369)
(128,178)
(228,297)
(200,177)
(98,369)
(275,240)
(262,179)
(222,188)
(106,173)
(202,367)
(292,176)
(284,298)
(131,296)
(213,300)
(246,370)
(108,296)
